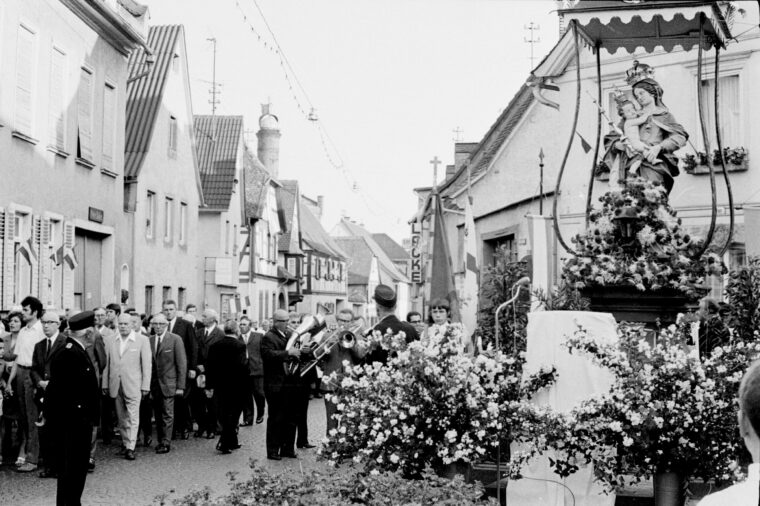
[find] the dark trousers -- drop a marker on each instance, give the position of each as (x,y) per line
(163,410)
(12,438)
(182,420)
(146,417)
(205,412)
(302,409)
(229,406)
(73,455)
(48,442)
(281,422)
(254,393)
(107,418)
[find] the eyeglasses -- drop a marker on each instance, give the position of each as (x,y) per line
(281,321)
(415,322)
(49,322)
(439,309)
(344,321)
(159,324)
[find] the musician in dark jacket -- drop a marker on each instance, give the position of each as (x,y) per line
(280,389)
(385,301)
(72,409)
(226,375)
(205,410)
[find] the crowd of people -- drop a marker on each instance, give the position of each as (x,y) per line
(70,381)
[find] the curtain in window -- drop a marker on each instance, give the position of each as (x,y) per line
(728,101)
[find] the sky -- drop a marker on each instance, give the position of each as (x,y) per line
(389,80)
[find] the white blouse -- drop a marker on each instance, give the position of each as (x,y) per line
(741,494)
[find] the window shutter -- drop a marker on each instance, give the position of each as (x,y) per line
(44,261)
(109,111)
(68,273)
(35,269)
(8,247)
(24,80)
(56,108)
(84,116)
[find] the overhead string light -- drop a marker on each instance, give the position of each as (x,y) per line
(294,86)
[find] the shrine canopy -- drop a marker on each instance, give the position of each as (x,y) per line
(634,24)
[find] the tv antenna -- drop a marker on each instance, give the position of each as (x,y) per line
(532,40)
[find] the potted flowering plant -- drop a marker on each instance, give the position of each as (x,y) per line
(735,158)
(666,415)
(430,405)
(637,245)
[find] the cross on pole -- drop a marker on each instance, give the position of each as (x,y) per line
(435,162)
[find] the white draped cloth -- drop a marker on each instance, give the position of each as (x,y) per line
(577,379)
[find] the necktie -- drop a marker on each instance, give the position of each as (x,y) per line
(47,347)
(158,343)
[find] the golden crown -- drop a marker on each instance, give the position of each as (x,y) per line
(638,73)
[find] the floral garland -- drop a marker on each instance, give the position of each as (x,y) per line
(430,405)
(666,410)
(661,255)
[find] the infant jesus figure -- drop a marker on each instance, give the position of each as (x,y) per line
(632,119)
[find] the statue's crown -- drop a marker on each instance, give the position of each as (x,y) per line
(638,72)
(620,97)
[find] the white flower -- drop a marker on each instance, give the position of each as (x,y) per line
(627,441)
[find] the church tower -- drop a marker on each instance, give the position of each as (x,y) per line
(269,140)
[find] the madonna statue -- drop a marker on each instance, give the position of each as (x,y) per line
(659,133)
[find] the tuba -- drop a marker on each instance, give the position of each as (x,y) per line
(346,339)
(299,336)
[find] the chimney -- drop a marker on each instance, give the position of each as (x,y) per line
(462,152)
(450,171)
(269,140)
(321,205)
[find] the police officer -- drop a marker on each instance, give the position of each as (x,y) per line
(72,409)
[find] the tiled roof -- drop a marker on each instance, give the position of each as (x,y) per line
(144,94)
(393,249)
(481,159)
(134,8)
(389,273)
(315,235)
(359,257)
(217,140)
(286,204)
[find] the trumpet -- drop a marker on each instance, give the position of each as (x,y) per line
(311,325)
(346,339)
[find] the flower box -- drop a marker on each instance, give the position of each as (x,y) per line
(704,169)
(627,303)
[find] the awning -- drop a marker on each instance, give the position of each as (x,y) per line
(648,24)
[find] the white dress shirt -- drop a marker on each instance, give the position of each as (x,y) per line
(741,494)
(28,337)
(124,341)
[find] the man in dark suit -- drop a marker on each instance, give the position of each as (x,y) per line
(168,378)
(72,409)
(255,379)
(385,301)
(205,407)
(226,375)
(183,424)
(41,360)
(280,389)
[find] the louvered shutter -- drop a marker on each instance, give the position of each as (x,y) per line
(24,80)
(34,270)
(8,259)
(56,107)
(84,115)
(109,110)
(68,274)
(44,261)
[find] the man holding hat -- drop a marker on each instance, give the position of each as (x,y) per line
(385,301)
(72,407)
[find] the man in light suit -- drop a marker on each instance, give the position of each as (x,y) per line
(254,388)
(126,379)
(168,378)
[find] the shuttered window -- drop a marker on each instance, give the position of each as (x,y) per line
(730,111)
(25,60)
(172,137)
(84,115)
(109,126)
(57,107)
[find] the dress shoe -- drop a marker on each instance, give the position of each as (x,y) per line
(260,419)
(147,442)
(162,448)
(291,455)
(210,435)
(185,435)
(274,457)
(235,446)
(129,455)
(121,451)
(26,467)
(198,433)
(306,445)
(48,473)
(224,450)
(91,466)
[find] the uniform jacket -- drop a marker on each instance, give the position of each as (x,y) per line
(41,359)
(169,365)
(185,330)
(226,369)
(254,361)
(131,369)
(73,395)
(395,326)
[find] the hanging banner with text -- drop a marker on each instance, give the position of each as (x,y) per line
(416,270)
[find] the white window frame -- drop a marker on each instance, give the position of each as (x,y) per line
(168,218)
(21,125)
(708,106)
(173,136)
(85,128)
(182,222)
(108,142)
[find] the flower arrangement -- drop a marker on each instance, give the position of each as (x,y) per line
(732,156)
(658,253)
(430,405)
(666,410)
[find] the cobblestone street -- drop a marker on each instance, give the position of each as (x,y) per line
(191,465)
